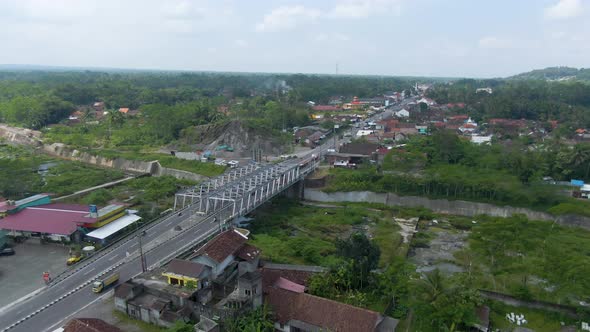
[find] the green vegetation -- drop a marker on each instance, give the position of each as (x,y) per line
(566,102)
(288,233)
(149,195)
(257,320)
(204,168)
(513,255)
(537,320)
(532,259)
(180,326)
(146,327)
(68,177)
(444,166)
(446,303)
(554,73)
(19,176)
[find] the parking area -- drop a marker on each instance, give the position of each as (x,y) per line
(21,273)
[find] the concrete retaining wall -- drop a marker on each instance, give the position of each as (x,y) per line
(513,301)
(179,174)
(21,136)
(463,208)
(137,166)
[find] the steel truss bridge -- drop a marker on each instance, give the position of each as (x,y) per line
(243,189)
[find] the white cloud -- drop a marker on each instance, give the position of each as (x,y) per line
(365,8)
(564,9)
(492,42)
(287,17)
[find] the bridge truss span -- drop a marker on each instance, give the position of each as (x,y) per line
(243,190)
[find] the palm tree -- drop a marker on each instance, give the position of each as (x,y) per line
(581,158)
(114,118)
(431,286)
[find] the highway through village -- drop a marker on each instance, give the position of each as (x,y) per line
(47,309)
(162,240)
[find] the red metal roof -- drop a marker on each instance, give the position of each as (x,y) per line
(5,207)
(50,218)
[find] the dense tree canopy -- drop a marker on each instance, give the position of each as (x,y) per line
(566,102)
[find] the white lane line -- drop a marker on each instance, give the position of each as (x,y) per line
(114,256)
(90,271)
(62,322)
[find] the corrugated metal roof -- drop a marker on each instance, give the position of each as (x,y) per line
(30,199)
(114,226)
(49,218)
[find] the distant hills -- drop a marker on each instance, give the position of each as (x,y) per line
(555,74)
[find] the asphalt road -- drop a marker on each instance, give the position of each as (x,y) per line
(51,317)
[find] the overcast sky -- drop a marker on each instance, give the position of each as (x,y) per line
(467,38)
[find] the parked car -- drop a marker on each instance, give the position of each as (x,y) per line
(7,252)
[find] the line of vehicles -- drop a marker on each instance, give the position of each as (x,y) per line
(231,163)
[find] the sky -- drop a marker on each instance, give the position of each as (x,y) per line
(444,38)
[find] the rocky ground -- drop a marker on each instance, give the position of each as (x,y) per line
(439,253)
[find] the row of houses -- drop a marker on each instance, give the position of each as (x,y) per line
(225,278)
(97,112)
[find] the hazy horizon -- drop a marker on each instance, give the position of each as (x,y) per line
(421,38)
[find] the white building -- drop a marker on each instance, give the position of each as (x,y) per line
(426,101)
(488,90)
(477,139)
(403,113)
(361,133)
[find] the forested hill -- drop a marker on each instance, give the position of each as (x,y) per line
(555,74)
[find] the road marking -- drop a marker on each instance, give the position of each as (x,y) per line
(88,272)
(114,256)
(62,322)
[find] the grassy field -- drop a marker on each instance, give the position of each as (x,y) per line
(19,176)
(149,195)
(509,255)
(524,258)
(291,233)
(537,320)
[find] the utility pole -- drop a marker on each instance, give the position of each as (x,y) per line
(141,256)
(335,127)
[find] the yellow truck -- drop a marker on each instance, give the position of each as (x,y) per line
(104,282)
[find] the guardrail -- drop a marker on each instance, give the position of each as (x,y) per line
(109,248)
(224,213)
